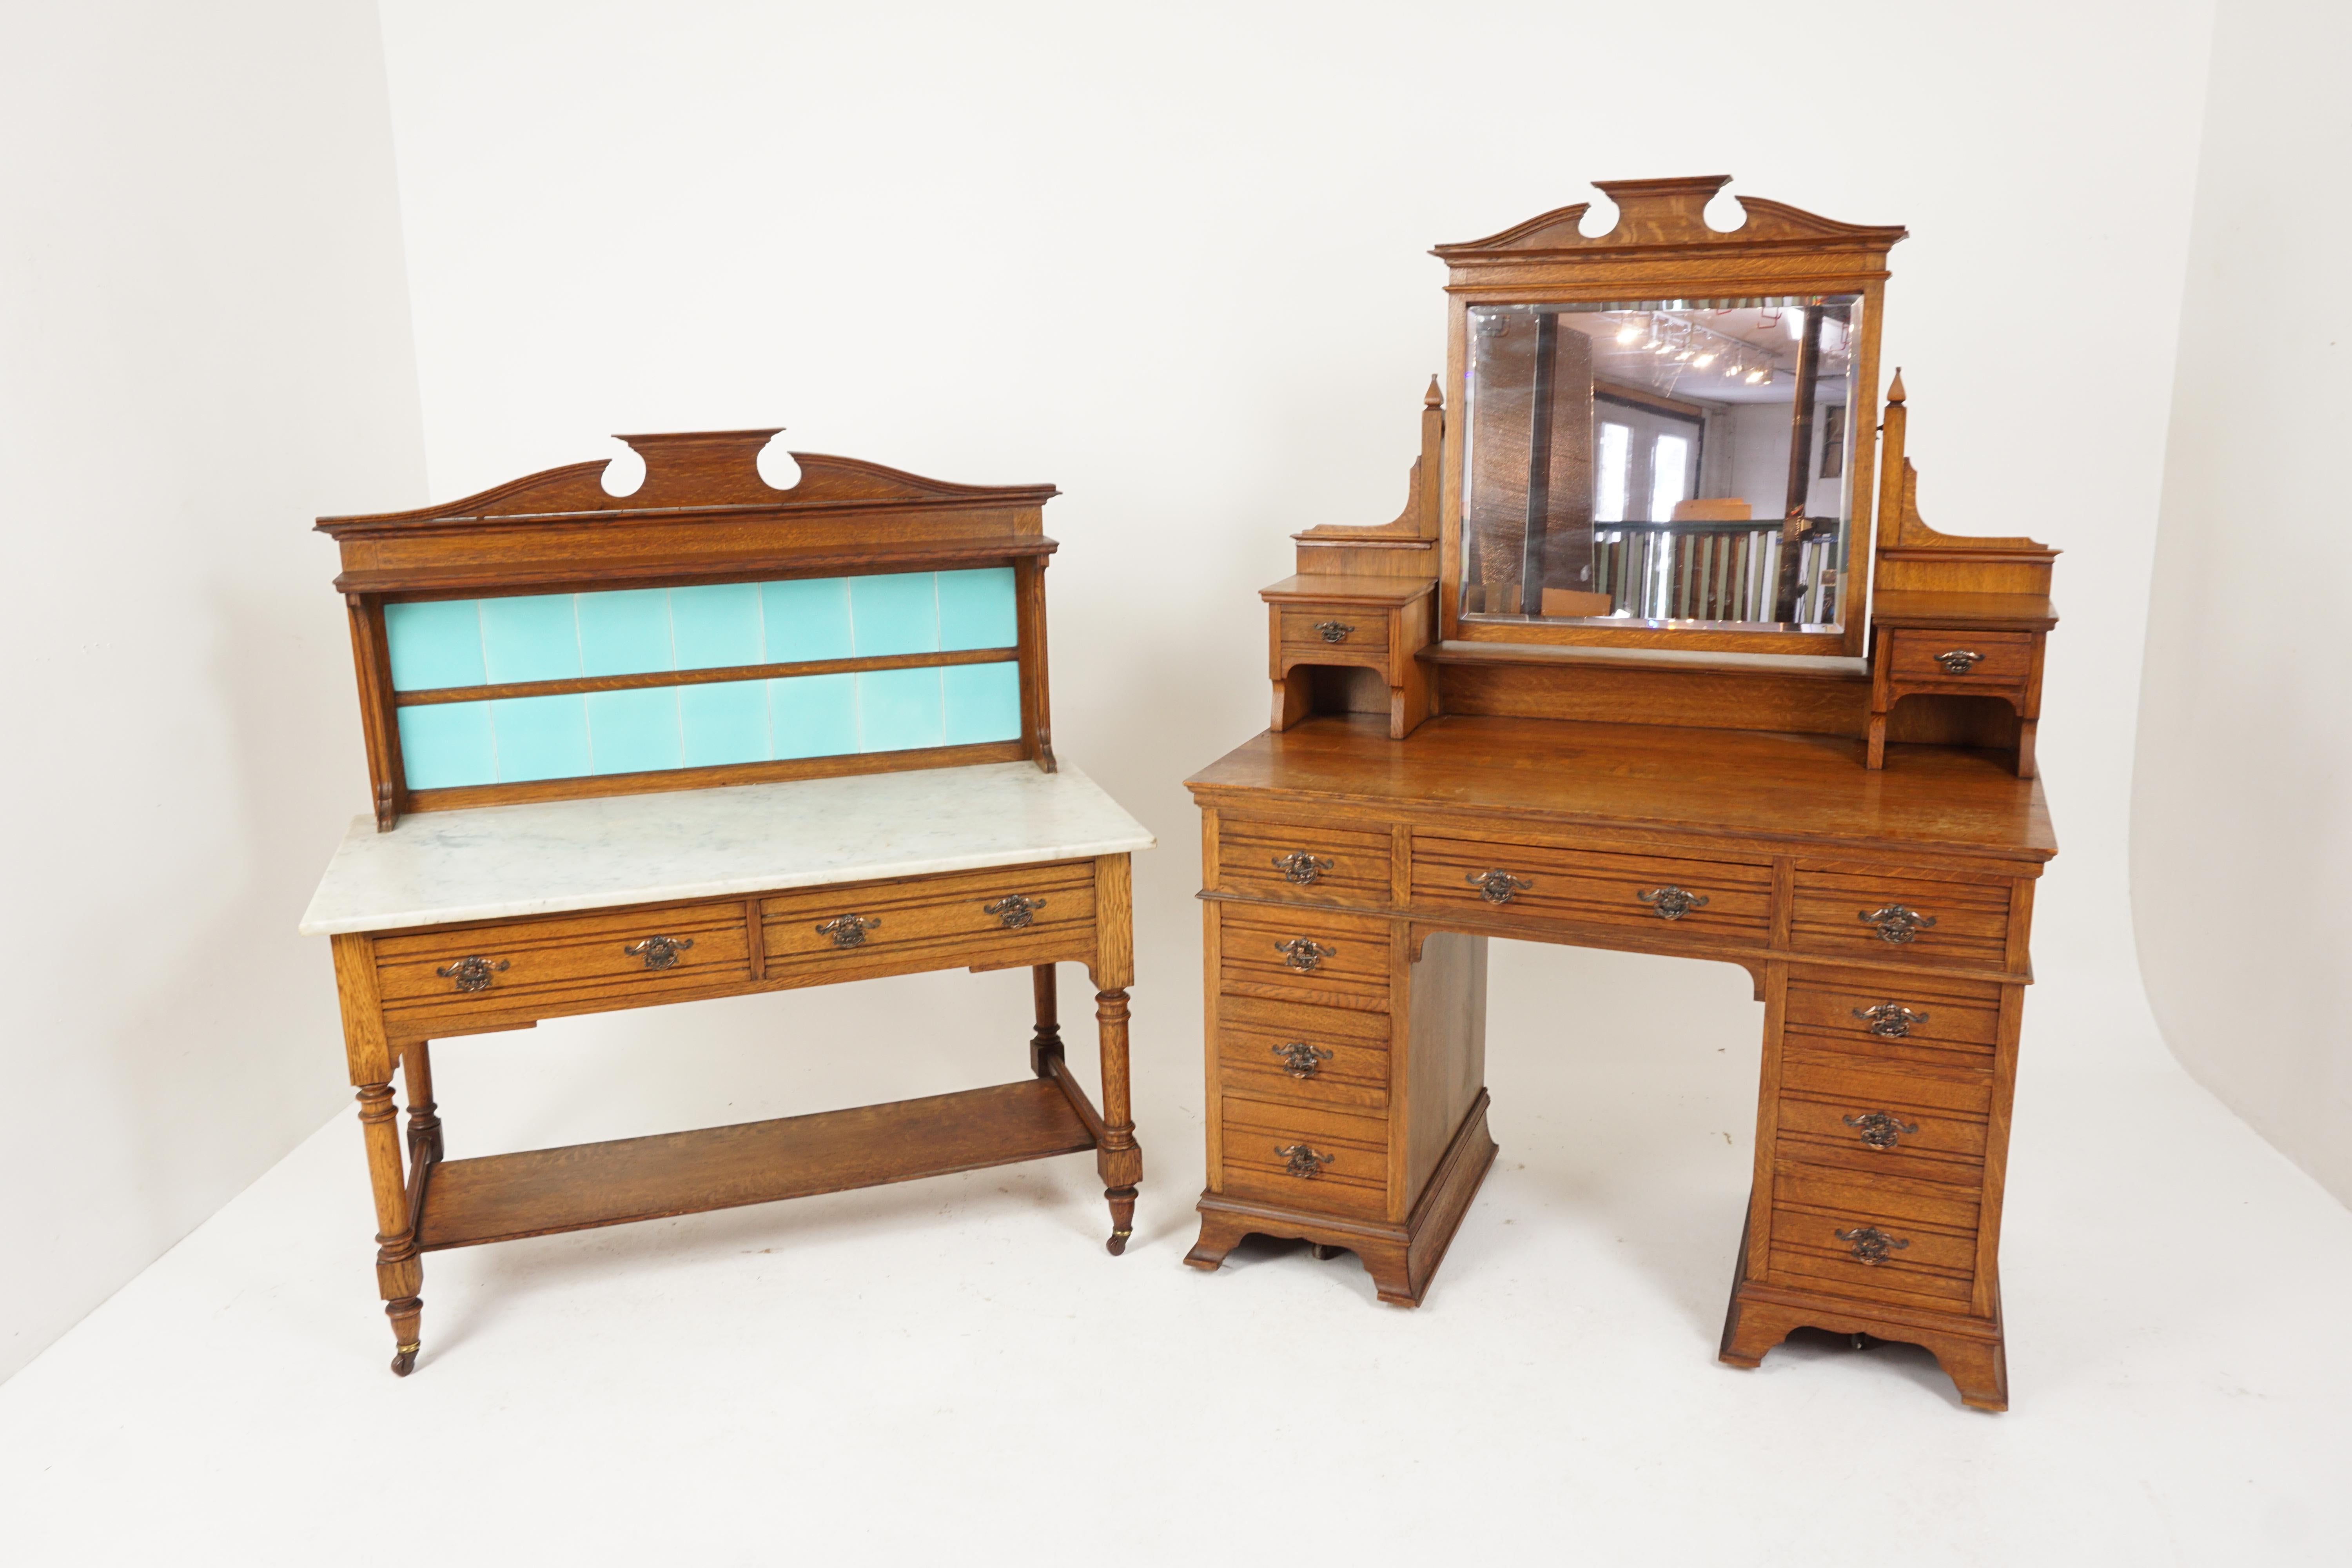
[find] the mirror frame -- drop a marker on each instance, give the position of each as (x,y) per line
(1661,248)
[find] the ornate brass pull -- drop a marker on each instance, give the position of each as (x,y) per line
(1672,903)
(1890,1019)
(659,951)
(1300,1060)
(1304,1163)
(1872,1246)
(1014,910)
(472,974)
(1879,1130)
(1959,661)
(1334,631)
(848,930)
(1497,886)
(1301,868)
(1303,952)
(1897,923)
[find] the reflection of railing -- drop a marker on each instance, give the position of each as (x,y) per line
(1712,570)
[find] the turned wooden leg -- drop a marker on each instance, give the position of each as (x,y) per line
(399,1271)
(423,1126)
(1045,1044)
(1118,1160)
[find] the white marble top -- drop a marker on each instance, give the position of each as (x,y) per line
(494,861)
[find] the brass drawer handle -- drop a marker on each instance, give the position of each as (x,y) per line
(1301,868)
(1959,661)
(1334,631)
(1498,887)
(1872,1246)
(659,951)
(1896,923)
(1304,953)
(848,930)
(1014,910)
(1672,903)
(1890,1019)
(1879,1130)
(1300,1060)
(473,972)
(1304,1163)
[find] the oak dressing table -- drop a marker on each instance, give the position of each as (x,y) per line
(1636,669)
(703,740)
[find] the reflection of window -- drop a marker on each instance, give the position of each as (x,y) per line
(1612,469)
(1669,476)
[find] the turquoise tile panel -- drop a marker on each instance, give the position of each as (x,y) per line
(532,636)
(727,722)
(541,737)
(626,633)
(899,709)
(807,619)
(895,614)
(812,716)
(716,626)
(447,746)
(976,609)
(434,644)
(633,731)
(983,702)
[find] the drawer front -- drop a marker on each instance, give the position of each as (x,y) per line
(1884,1199)
(2004,658)
(1309,1055)
(1943,1015)
(1700,900)
(1859,912)
(1305,864)
(1015,915)
(1840,1074)
(558,962)
(1309,955)
(1879,1136)
(1305,1158)
(1335,630)
(1870,1256)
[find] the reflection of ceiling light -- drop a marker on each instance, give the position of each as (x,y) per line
(1758,374)
(1628,333)
(1681,356)
(1703,361)
(1661,346)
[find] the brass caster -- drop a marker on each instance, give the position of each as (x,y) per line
(404,1361)
(1117,1245)
(1322,1254)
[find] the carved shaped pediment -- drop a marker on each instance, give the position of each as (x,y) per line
(1668,214)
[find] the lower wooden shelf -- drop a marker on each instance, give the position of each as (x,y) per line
(504,1197)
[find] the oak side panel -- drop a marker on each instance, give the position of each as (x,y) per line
(1445,1050)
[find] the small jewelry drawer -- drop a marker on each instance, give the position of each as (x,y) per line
(1859,912)
(1306,864)
(1309,1055)
(1939,1014)
(1333,630)
(1701,900)
(1301,1157)
(1308,955)
(558,963)
(1961,659)
(994,919)
(1866,1253)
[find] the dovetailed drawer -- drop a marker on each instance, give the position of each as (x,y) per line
(1305,955)
(1861,912)
(1303,1157)
(1703,900)
(998,917)
(1310,1056)
(561,962)
(1941,1014)
(1864,1253)
(1333,629)
(2003,658)
(1294,861)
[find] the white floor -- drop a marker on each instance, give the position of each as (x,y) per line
(956,1368)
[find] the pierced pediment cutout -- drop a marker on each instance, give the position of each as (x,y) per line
(1668,213)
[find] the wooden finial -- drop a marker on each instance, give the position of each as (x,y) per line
(1432,398)
(1895,393)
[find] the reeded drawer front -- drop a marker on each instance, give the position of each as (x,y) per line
(2003,658)
(1307,956)
(1305,1158)
(1865,913)
(1311,1056)
(1308,864)
(1019,914)
(1334,628)
(1705,900)
(558,961)
(1942,1015)
(1869,1255)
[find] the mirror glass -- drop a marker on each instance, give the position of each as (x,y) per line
(1682,463)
